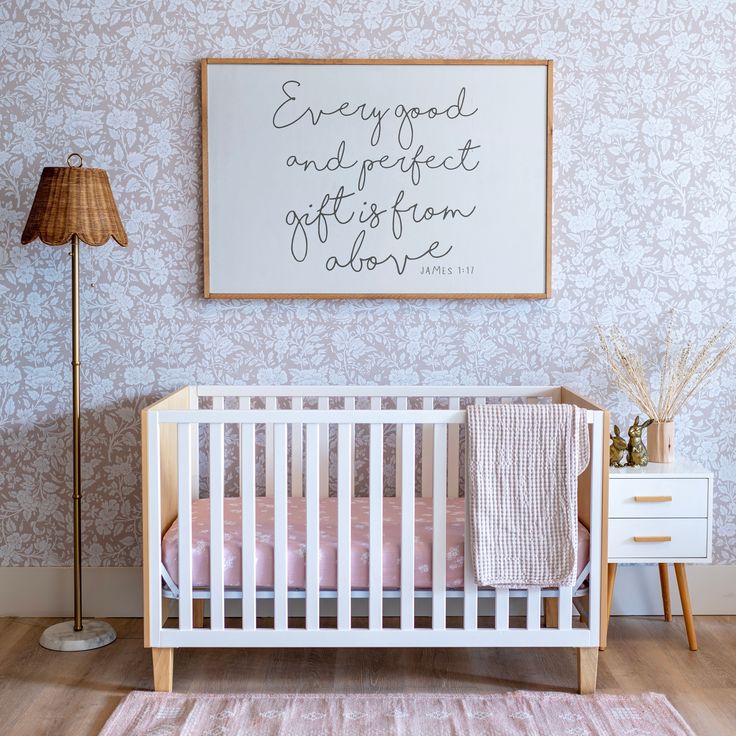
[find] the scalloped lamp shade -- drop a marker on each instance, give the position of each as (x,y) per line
(74,201)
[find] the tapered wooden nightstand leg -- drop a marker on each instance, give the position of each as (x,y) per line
(551,613)
(612,567)
(664,580)
(687,610)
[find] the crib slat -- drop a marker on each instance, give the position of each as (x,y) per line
(218,403)
(564,618)
(470,588)
(248,521)
(427,451)
(344,476)
(297,449)
(184,475)
(217,532)
(439,529)
(401,404)
(502,609)
(312,489)
(453,453)
(194,459)
(407,527)
(533,608)
(271,403)
(280,535)
(348,403)
(375,543)
(323,402)
(376,405)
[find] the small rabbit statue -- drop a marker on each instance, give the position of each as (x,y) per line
(617,448)
(638,455)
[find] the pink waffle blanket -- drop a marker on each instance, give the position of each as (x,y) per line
(328,543)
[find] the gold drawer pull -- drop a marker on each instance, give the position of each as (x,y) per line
(653,539)
(652,499)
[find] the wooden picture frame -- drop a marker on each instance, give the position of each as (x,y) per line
(211,289)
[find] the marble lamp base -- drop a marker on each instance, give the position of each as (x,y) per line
(62,637)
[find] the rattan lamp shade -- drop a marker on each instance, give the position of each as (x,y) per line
(74,201)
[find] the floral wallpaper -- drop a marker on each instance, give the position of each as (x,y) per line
(644,222)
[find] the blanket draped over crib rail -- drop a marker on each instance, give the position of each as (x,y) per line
(523,466)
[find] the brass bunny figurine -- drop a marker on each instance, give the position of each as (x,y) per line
(617,448)
(638,455)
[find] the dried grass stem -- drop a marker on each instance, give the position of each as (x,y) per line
(682,370)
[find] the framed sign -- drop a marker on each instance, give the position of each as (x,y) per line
(366,178)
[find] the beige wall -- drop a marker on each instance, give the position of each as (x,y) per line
(645,151)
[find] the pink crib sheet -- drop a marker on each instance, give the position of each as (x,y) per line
(328,543)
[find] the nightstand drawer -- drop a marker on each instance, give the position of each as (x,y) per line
(658,497)
(659,539)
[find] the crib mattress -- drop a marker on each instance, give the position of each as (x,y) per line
(328,543)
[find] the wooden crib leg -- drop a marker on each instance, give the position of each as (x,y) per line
(163,669)
(587,669)
(551,613)
(198,613)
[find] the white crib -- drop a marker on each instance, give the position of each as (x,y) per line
(289,441)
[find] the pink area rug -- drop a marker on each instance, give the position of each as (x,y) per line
(507,714)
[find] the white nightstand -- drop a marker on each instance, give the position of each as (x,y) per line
(661,513)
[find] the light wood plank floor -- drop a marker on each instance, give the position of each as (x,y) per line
(72,694)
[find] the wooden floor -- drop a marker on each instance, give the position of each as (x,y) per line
(53,693)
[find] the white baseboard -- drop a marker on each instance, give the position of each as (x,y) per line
(48,591)
(637,591)
(118,591)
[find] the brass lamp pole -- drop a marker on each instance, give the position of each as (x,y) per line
(74,203)
(76,438)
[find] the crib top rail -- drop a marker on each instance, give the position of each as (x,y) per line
(439,404)
(317,416)
(421,391)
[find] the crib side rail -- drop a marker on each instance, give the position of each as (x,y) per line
(167,431)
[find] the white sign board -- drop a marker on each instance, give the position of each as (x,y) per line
(366,178)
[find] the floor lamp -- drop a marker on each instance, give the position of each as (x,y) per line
(73,203)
